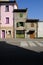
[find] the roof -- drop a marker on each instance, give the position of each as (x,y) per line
(7,2)
(32,20)
(20,10)
(40,21)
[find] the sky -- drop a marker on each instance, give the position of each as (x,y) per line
(35,8)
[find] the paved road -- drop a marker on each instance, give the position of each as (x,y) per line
(35,45)
(32,44)
(12,55)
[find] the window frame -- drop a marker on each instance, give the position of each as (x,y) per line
(7,8)
(7,20)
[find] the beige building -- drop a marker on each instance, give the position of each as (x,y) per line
(20,16)
(23,27)
(14,22)
(31,27)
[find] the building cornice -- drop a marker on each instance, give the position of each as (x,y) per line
(32,20)
(7,2)
(20,10)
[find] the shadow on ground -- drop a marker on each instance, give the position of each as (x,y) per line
(10,54)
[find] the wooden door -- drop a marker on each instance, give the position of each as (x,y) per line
(32,36)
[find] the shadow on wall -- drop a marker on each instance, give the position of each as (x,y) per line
(10,54)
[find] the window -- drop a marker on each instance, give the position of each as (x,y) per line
(9,32)
(7,8)
(7,20)
(21,14)
(20,24)
(32,24)
(20,31)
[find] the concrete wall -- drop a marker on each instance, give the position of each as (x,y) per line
(40,29)
(28,27)
(17,18)
(6,32)
(5,26)
(17,15)
(15,6)
(5,14)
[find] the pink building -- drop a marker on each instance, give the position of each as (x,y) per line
(6,18)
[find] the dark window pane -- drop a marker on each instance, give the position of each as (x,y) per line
(7,20)
(17,25)
(20,24)
(9,32)
(20,31)
(7,8)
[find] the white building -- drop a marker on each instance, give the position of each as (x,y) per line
(40,29)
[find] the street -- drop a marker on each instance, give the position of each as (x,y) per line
(31,44)
(12,54)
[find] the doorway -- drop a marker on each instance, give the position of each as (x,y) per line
(3,33)
(32,36)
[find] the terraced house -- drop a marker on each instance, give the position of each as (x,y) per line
(14,22)
(6,18)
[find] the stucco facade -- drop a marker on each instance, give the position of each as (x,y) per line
(40,29)
(18,19)
(6,27)
(7,34)
(28,27)
(6,14)
(14,22)
(27,24)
